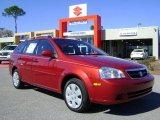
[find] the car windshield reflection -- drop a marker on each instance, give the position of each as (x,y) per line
(76,47)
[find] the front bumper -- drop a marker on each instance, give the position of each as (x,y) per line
(124,90)
(4,58)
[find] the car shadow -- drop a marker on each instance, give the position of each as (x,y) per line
(50,93)
(142,105)
(139,106)
(26,86)
(44,91)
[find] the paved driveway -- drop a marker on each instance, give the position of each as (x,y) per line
(37,104)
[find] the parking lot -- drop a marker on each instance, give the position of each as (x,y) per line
(33,103)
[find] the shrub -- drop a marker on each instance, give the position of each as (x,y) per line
(147,62)
(151,58)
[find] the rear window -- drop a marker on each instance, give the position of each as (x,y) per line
(138,50)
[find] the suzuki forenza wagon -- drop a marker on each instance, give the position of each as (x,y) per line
(81,72)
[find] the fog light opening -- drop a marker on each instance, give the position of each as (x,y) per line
(119,97)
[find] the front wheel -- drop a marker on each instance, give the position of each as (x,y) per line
(76,95)
(17,83)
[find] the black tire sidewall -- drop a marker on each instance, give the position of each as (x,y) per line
(85,99)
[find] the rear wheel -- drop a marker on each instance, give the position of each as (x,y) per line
(76,95)
(17,83)
(0,61)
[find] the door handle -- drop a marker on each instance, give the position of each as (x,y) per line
(19,58)
(35,60)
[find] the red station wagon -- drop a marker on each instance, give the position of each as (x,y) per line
(81,72)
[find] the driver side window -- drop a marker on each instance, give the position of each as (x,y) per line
(44,45)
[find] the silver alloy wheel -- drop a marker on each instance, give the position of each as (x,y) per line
(16,79)
(73,96)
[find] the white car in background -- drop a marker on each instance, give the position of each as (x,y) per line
(5,52)
(139,54)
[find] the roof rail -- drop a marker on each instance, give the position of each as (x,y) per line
(44,36)
(41,37)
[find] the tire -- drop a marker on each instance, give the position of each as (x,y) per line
(0,61)
(17,83)
(76,95)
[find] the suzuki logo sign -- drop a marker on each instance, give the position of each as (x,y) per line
(78,10)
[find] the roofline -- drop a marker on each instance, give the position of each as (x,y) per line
(133,28)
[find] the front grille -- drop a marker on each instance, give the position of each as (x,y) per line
(137,73)
(5,53)
(139,93)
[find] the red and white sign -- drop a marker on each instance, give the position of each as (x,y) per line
(78,10)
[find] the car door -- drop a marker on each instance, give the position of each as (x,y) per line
(43,67)
(25,61)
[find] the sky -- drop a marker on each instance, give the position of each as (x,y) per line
(45,14)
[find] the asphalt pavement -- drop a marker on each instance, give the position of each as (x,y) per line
(33,103)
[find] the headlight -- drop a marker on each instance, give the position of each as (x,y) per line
(146,69)
(108,72)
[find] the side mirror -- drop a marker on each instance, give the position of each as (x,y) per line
(47,53)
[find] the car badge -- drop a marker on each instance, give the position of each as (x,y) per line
(140,73)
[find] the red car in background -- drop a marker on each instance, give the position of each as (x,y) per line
(81,72)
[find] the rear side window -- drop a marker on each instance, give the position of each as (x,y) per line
(20,48)
(30,48)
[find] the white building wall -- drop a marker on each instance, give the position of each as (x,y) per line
(135,33)
(6,39)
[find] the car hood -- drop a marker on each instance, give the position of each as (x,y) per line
(102,60)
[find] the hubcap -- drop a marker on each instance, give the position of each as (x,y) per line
(73,96)
(15,79)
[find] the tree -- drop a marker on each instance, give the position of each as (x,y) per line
(92,27)
(6,33)
(139,24)
(14,11)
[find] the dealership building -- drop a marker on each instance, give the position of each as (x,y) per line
(120,42)
(116,42)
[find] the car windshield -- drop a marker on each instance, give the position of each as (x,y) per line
(76,47)
(138,50)
(9,47)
